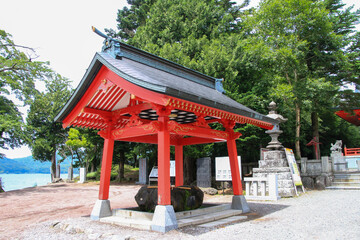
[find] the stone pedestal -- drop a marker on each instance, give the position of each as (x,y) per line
(275,162)
(239,203)
(101,209)
(164,219)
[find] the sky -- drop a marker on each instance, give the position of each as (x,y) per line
(60,32)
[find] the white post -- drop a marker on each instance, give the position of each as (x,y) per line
(303,165)
(262,187)
(255,187)
(325,164)
(273,186)
(82,175)
(247,188)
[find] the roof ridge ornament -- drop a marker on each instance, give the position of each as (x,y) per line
(218,85)
(111,45)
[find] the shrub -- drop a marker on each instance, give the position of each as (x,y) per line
(1,186)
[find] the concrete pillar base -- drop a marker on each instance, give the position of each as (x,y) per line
(101,209)
(164,219)
(239,202)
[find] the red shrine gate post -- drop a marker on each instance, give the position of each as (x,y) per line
(133,96)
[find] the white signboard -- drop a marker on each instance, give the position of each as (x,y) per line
(154,170)
(172,168)
(223,170)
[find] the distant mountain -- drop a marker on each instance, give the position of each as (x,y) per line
(29,165)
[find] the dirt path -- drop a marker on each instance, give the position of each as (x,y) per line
(21,208)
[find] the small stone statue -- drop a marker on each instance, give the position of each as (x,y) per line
(274,144)
(336,147)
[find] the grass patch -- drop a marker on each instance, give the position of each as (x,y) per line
(130,174)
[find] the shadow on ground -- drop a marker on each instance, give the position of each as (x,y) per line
(258,211)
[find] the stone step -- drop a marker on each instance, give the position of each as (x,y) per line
(346,184)
(184,220)
(202,211)
(342,188)
(132,214)
(347,176)
(136,214)
(210,217)
(128,222)
(346,180)
(223,221)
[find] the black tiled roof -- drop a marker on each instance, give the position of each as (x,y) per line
(162,76)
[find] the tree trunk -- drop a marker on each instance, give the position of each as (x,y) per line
(121,176)
(92,166)
(135,160)
(315,129)
(53,166)
(189,170)
(297,130)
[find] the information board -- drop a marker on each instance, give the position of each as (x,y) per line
(172,168)
(293,167)
(154,170)
(223,170)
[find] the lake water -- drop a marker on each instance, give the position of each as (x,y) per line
(20,181)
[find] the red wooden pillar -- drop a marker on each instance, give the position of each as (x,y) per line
(234,165)
(164,195)
(106,167)
(179,167)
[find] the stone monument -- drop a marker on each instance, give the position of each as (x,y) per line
(203,172)
(142,171)
(339,162)
(274,160)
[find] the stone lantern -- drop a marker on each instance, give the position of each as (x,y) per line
(274,144)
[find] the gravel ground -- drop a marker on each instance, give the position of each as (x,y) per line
(313,215)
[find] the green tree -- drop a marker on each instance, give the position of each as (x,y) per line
(304,50)
(44,136)
(18,72)
(11,123)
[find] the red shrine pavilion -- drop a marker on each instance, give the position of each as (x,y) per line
(131,95)
(352,117)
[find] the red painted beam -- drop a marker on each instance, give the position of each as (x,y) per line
(129,110)
(136,131)
(190,130)
(106,115)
